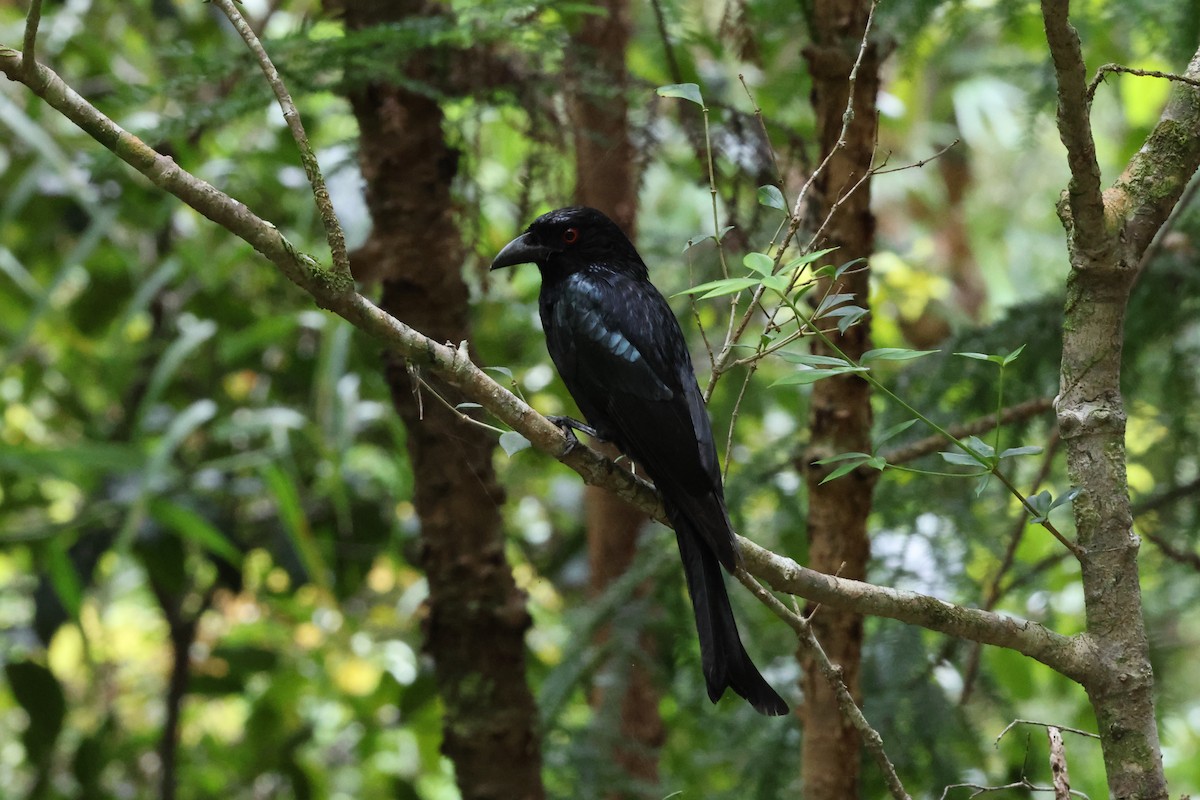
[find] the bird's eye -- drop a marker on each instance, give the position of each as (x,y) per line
(570,236)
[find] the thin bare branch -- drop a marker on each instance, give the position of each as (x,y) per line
(333,228)
(1145,73)
(1066,728)
(833,675)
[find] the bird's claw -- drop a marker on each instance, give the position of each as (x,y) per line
(568,426)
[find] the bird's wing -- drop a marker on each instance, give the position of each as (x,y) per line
(623,357)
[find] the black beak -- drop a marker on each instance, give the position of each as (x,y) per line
(522,250)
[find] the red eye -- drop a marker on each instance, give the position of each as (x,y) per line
(570,236)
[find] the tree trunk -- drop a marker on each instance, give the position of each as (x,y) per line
(476,616)
(1108,233)
(606,179)
(840,416)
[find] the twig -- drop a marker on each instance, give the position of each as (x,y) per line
(1024,783)
(993,593)
(29,47)
(735,331)
(1179,555)
(833,674)
(1145,73)
(1017,722)
(333,229)
(934,443)
(922,162)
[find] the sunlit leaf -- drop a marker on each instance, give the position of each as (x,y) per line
(759,262)
(685,91)
(719,288)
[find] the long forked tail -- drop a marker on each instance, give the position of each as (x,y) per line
(724,659)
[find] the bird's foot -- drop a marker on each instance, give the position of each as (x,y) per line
(568,426)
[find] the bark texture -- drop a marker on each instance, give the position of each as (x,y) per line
(606,179)
(476,615)
(840,415)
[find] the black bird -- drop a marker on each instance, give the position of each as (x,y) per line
(622,356)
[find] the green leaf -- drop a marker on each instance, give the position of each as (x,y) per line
(771,197)
(513,442)
(895,354)
(1066,498)
(813,360)
(777,283)
(63,577)
(1041,503)
(849,315)
(807,258)
(195,528)
(720,287)
(831,301)
(843,457)
(685,91)
(959,458)
(295,523)
(803,377)
(976,356)
(844,469)
(842,269)
(1028,450)
(1011,357)
(894,431)
(505,371)
(701,237)
(978,445)
(759,262)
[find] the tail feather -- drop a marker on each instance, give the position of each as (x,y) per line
(725,661)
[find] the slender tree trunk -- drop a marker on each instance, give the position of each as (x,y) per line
(476,616)
(1108,233)
(606,179)
(840,416)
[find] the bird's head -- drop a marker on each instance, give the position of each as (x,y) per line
(569,239)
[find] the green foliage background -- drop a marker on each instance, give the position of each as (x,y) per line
(182,434)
